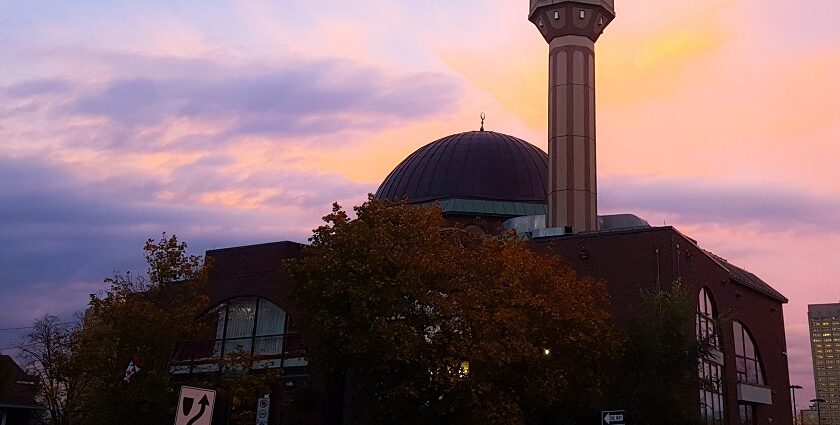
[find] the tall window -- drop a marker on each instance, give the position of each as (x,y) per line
(710,372)
(747,362)
(746,414)
(706,315)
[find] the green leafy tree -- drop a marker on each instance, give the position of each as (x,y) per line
(658,375)
(432,324)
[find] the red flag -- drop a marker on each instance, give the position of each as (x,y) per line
(134,366)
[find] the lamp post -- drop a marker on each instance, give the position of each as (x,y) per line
(793,389)
(819,414)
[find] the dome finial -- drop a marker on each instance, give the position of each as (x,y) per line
(482,121)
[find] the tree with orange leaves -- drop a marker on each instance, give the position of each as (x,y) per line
(428,323)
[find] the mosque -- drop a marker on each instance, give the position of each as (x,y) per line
(490,182)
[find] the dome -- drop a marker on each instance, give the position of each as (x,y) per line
(475,166)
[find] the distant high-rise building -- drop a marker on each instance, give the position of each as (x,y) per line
(824,322)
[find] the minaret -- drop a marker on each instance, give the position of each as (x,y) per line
(571,27)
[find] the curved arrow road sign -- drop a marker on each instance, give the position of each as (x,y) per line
(192,412)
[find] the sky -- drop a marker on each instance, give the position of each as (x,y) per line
(239,122)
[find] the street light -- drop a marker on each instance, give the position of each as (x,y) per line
(793,389)
(819,417)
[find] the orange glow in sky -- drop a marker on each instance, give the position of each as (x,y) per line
(242,121)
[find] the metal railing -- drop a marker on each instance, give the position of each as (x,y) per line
(267,350)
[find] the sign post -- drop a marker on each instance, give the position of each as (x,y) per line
(612,417)
(262,409)
(195,406)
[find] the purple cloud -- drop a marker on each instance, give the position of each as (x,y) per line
(323,97)
(59,231)
(38,87)
(774,208)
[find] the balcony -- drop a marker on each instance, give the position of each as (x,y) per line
(269,351)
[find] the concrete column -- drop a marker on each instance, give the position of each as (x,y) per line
(572,197)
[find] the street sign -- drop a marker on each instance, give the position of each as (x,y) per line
(262,410)
(195,406)
(612,417)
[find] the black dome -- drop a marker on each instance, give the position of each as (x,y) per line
(478,165)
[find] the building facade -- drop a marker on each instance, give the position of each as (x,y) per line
(491,183)
(747,381)
(824,325)
(18,391)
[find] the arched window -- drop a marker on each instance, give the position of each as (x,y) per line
(252,325)
(747,361)
(710,371)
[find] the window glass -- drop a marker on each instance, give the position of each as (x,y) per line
(711,392)
(705,319)
(746,414)
(749,348)
(271,320)
(240,320)
(739,336)
(747,361)
(271,323)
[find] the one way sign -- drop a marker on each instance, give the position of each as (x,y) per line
(195,406)
(612,417)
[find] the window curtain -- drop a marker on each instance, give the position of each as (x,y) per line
(271,322)
(240,324)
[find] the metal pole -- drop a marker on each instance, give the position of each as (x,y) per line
(793,389)
(818,402)
(819,414)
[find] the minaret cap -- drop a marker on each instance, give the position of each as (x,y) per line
(609,5)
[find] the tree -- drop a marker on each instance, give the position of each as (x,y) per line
(82,366)
(434,324)
(145,316)
(658,374)
(48,355)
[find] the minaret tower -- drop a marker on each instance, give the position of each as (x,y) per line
(571,27)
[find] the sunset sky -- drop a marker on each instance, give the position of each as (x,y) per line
(240,122)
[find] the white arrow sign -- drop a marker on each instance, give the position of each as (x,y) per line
(612,417)
(195,406)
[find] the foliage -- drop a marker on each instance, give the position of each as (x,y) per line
(48,355)
(82,369)
(144,316)
(660,362)
(445,326)
(241,384)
